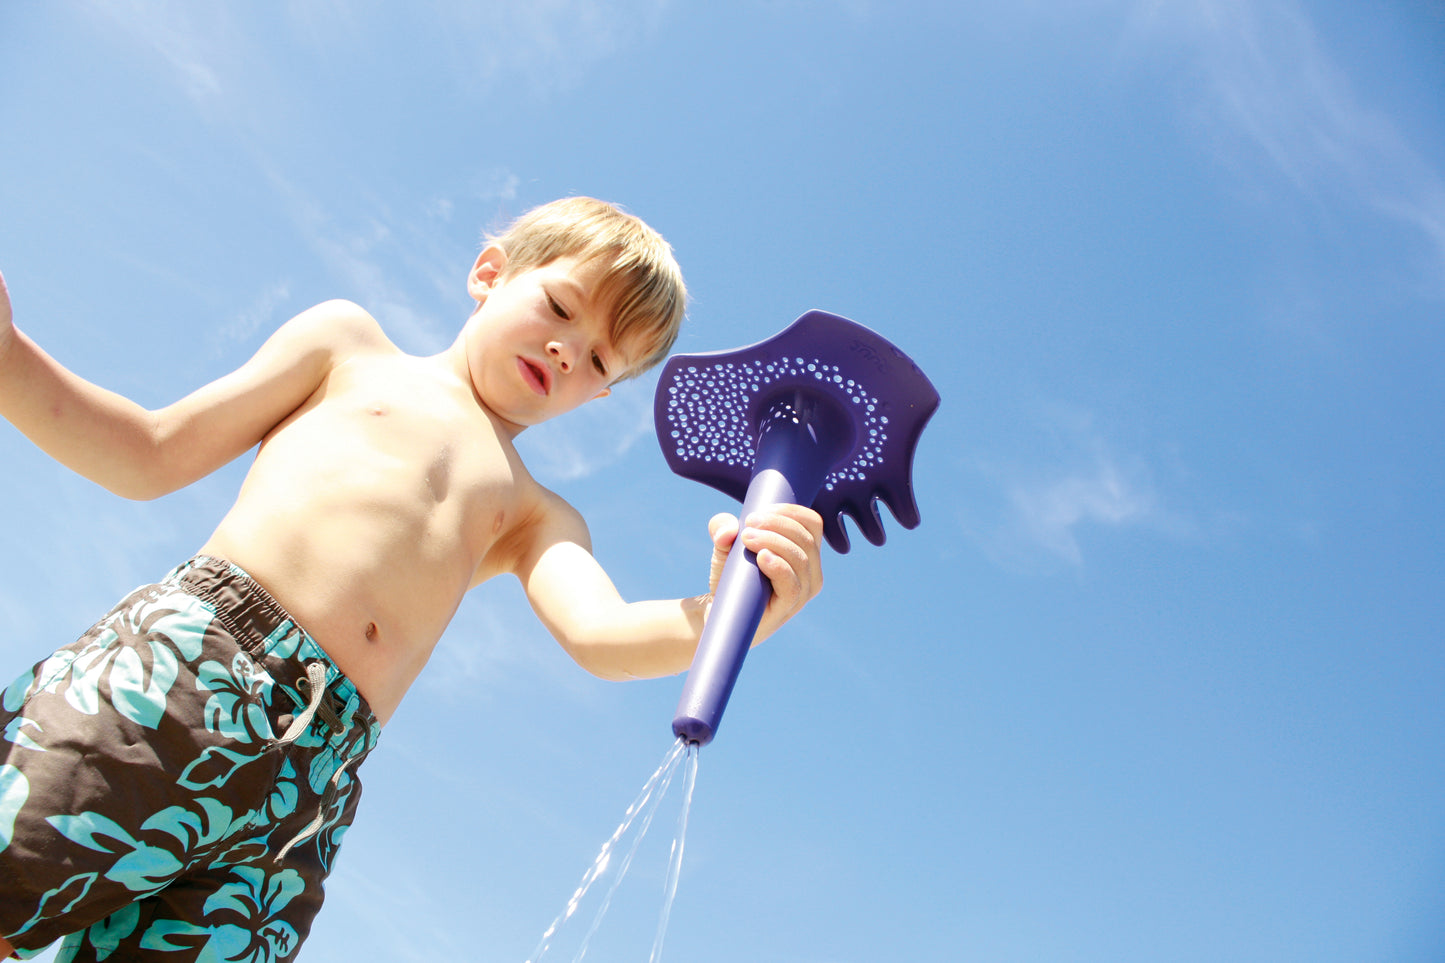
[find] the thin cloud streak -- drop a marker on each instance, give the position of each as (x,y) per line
(545,47)
(549,46)
(377,257)
(172,35)
(1101,493)
(593,437)
(262,314)
(369,262)
(1073,479)
(1269,82)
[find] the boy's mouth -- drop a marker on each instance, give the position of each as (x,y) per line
(538,378)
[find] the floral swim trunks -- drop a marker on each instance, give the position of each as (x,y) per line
(174,786)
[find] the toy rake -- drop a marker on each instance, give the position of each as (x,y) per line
(826,413)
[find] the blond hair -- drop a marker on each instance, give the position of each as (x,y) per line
(640,276)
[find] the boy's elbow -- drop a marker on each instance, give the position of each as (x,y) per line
(139,465)
(609,673)
(157,472)
(144,486)
(596,659)
(593,662)
(613,672)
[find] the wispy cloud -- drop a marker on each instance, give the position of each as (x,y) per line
(393,264)
(1098,491)
(174,36)
(540,47)
(545,46)
(594,436)
(1073,480)
(494,639)
(1270,91)
(260,315)
(533,48)
(203,46)
(380,248)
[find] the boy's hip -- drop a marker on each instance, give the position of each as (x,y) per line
(200,722)
(266,632)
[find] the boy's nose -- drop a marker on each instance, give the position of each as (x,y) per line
(561,354)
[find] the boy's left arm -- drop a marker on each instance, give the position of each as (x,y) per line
(615,639)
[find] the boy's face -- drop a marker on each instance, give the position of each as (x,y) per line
(538,344)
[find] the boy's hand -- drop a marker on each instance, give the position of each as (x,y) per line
(7,319)
(787,540)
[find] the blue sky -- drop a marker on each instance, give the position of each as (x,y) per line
(1159,677)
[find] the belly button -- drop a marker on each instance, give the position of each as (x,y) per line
(371,631)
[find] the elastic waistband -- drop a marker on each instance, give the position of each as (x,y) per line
(247,610)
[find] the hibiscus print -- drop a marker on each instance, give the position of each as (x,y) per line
(255,900)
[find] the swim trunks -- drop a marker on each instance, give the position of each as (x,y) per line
(174,785)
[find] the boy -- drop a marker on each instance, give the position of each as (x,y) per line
(174,785)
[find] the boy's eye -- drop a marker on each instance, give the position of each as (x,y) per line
(597,363)
(557,309)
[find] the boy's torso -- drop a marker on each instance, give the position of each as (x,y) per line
(373,508)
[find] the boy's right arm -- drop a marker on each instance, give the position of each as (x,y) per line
(7,322)
(615,639)
(144,454)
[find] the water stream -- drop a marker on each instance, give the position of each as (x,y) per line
(644,806)
(674,862)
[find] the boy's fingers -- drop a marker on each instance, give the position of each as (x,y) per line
(801,527)
(722,528)
(800,515)
(6,318)
(790,580)
(787,540)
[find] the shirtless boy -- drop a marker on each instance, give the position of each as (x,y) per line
(174,785)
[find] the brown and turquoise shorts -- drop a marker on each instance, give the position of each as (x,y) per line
(174,786)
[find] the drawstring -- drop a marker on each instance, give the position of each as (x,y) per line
(327,709)
(313,686)
(332,790)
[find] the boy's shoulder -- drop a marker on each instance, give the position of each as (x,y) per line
(327,335)
(345,324)
(546,520)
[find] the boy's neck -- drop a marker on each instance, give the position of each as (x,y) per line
(454,359)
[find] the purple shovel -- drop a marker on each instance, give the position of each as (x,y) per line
(826,413)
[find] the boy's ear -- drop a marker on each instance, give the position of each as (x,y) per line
(486,272)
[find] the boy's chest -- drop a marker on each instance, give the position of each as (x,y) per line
(427,438)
